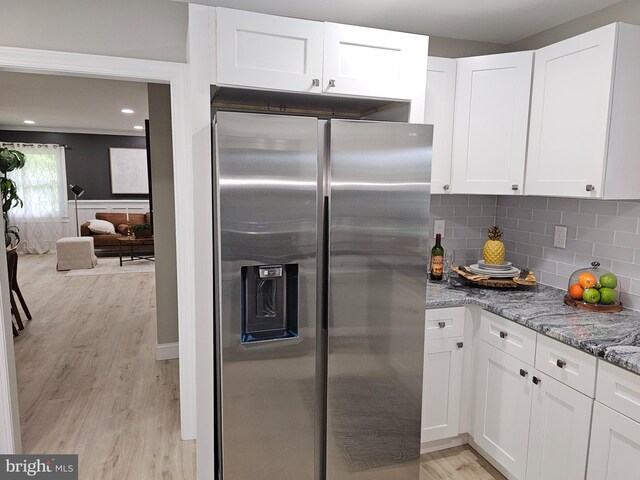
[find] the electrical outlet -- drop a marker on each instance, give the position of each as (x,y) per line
(438,227)
(560,237)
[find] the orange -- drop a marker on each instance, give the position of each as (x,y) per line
(575,291)
(587,280)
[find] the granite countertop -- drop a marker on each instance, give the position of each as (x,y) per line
(614,337)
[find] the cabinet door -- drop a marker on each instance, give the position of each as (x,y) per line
(438,111)
(441,387)
(614,453)
(559,431)
(265,51)
(570,100)
(490,123)
(503,407)
(368,62)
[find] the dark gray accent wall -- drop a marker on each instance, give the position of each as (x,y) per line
(87,160)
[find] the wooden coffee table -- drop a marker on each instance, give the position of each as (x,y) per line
(130,246)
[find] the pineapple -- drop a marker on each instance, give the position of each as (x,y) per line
(494,251)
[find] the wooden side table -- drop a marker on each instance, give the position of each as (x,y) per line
(131,246)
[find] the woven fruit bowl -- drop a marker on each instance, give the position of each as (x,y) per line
(594,289)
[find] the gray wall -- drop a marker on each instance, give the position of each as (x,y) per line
(454,48)
(163,211)
(627,11)
(87,161)
(150,29)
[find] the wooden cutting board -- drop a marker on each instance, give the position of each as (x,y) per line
(486,281)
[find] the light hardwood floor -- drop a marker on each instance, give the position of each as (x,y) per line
(88,380)
(458,463)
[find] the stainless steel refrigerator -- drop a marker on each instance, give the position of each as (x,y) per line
(321,240)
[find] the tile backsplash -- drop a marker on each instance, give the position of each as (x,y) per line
(467,218)
(602,230)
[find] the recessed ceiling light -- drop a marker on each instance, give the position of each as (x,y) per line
(29,122)
(127,110)
(138,127)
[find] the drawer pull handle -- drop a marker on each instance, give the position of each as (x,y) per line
(590,188)
(503,334)
(442,324)
(523,372)
(315,82)
(536,380)
(460,344)
(332,83)
(561,363)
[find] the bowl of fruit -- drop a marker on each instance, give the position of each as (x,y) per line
(594,289)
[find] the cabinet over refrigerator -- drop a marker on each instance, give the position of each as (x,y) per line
(320,247)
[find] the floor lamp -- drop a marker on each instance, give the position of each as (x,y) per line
(77,192)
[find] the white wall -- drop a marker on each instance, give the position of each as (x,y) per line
(149,29)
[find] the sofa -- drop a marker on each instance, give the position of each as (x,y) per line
(119,221)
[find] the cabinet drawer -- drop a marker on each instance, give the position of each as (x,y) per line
(566,364)
(619,389)
(444,323)
(508,336)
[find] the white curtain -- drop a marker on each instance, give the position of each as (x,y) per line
(41,185)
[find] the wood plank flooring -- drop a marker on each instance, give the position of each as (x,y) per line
(458,463)
(88,380)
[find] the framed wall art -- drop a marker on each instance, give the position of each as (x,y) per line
(128,167)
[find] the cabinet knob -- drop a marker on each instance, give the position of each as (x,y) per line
(442,324)
(590,188)
(514,187)
(445,187)
(561,363)
(536,380)
(460,344)
(523,372)
(315,82)
(503,334)
(332,83)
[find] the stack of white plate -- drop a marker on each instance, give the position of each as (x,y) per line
(501,270)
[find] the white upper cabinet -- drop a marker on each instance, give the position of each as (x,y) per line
(585,111)
(279,53)
(438,111)
(266,51)
(370,62)
(490,123)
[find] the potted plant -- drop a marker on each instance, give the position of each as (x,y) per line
(10,160)
(143,230)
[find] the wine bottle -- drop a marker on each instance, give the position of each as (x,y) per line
(437,259)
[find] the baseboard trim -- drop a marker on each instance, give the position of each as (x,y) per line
(490,459)
(437,445)
(167,351)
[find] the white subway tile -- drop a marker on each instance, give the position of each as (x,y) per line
(565,270)
(625,239)
(553,280)
(483,200)
(559,255)
(579,246)
(519,213)
(564,204)
(552,216)
(531,250)
(441,212)
(622,224)
(542,265)
(501,211)
(539,203)
(467,211)
(489,210)
(454,200)
(584,261)
(508,201)
(595,235)
(625,269)
(541,240)
(621,254)
(629,209)
(601,207)
(434,200)
(517,236)
(482,221)
(533,227)
(579,219)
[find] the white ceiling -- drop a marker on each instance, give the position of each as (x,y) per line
(82,105)
(499,21)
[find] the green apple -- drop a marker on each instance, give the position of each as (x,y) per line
(609,280)
(591,295)
(608,296)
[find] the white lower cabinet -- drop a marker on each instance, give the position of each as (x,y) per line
(614,453)
(502,408)
(559,431)
(441,388)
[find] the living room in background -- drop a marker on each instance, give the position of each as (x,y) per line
(41,183)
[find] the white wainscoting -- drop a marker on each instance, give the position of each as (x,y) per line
(87,210)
